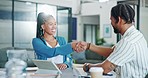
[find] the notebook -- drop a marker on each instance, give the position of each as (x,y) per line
(46,66)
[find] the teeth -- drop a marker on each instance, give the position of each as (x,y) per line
(53,30)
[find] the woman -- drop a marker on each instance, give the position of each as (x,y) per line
(49,47)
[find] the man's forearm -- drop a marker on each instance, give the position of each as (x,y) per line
(104,51)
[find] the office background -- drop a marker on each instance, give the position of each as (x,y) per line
(82,20)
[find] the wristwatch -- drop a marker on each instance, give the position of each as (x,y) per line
(87,67)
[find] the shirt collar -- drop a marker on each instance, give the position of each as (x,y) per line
(128,30)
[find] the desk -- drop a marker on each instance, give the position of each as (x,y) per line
(68,73)
(79,69)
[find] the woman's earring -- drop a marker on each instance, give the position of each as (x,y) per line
(41,29)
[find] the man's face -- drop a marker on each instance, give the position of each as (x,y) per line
(114,24)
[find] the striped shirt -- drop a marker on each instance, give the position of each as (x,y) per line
(130,55)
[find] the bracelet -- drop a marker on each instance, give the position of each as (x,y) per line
(88,46)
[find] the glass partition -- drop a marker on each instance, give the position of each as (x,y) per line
(64,23)
(5,23)
(18,22)
(24,24)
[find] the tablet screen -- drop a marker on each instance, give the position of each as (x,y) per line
(46,64)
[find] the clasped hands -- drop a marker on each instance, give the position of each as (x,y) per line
(79,46)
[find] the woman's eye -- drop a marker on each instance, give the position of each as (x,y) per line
(50,24)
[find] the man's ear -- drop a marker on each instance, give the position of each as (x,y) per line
(120,20)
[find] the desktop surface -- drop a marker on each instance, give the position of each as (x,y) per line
(75,72)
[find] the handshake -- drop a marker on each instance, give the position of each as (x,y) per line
(80,46)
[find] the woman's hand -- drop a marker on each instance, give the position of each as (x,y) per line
(61,66)
(79,46)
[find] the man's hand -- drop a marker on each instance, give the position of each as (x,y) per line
(79,46)
(108,66)
(86,67)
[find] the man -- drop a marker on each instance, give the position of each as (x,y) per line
(129,56)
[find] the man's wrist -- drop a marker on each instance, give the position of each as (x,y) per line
(88,46)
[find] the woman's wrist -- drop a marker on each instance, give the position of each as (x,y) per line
(73,45)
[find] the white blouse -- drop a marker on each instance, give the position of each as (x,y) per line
(56,59)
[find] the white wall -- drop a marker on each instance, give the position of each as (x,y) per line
(80,28)
(93,19)
(76,7)
(52,2)
(74,4)
(144,21)
(102,9)
(81,20)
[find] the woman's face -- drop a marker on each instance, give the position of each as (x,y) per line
(49,26)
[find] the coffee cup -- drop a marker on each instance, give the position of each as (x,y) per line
(96,72)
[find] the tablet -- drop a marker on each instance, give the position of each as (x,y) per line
(46,65)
